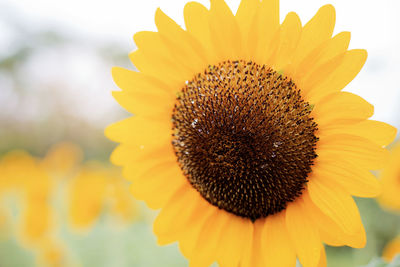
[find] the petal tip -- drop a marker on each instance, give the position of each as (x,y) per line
(108,132)
(116,94)
(391,133)
(115,71)
(158,15)
(329,10)
(363,54)
(329,7)
(347,34)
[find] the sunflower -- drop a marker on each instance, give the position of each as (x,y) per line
(107,189)
(390,179)
(22,176)
(243,137)
(62,159)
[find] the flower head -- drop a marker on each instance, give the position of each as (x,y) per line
(243,137)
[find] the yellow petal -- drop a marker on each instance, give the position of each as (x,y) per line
(134,171)
(335,203)
(146,105)
(181,205)
(245,12)
(124,154)
(354,149)
(329,231)
(338,172)
(290,35)
(137,82)
(140,132)
(340,109)
(158,184)
(318,30)
(190,235)
(320,55)
(235,240)
(163,61)
(334,47)
(350,66)
(137,160)
(303,234)
(276,247)
(184,49)
(153,66)
(208,240)
(378,132)
(265,29)
(225,33)
(322,258)
(197,24)
(253,255)
(319,75)
(245,16)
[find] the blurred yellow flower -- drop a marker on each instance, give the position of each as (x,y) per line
(36,222)
(391,250)
(22,175)
(122,204)
(39,187)
(62,158)
(95,189)
(50,253)
(243,137)
(16,167)
(86,196)
(390,179)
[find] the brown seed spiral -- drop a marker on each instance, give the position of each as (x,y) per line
(244,138)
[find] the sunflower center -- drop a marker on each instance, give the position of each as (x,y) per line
(244,138)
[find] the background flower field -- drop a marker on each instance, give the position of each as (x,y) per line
(55,101)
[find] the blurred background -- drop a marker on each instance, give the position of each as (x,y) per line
(55,101)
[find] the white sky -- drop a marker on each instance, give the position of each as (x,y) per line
(369,20)
(374,25)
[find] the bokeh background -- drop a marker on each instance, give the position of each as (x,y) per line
(55,86)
